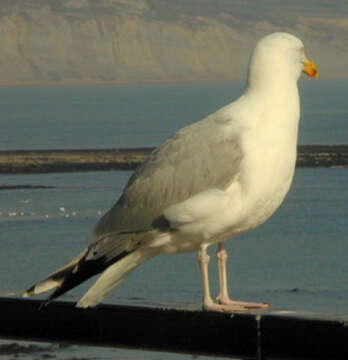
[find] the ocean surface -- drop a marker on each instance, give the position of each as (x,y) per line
(74,117)
(297,261)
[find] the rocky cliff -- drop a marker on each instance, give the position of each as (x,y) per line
(62,41)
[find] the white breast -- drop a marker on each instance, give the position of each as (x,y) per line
(267,170)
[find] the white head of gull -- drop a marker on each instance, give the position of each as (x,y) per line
(209,182)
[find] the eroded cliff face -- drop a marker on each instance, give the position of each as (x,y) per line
(115,47)
(129,41)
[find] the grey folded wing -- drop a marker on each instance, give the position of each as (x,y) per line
(196,158)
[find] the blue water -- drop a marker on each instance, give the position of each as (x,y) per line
(144,115)
(296,261)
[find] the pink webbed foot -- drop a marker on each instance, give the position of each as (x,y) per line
(242,304)
(229,306)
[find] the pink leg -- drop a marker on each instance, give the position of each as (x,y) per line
(208,303)
(223,297)
(203,259)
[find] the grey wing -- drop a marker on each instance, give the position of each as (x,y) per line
(196,158)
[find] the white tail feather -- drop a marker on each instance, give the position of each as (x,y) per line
(113,275)
(43,286)
(55,279)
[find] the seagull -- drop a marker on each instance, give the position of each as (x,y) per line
(210,181)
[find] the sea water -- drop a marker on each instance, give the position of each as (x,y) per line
(296,261)
(74,117)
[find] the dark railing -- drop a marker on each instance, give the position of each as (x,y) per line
(249,336)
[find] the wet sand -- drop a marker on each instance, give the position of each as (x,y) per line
(49,161)
(35,351)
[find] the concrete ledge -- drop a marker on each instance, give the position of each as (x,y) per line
(250,336)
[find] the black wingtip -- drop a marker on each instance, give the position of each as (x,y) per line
(84,270)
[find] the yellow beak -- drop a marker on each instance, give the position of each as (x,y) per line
(310,68)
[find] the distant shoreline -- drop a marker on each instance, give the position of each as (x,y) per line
(4,83)
(79,160)
(81,82)
(113,82)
